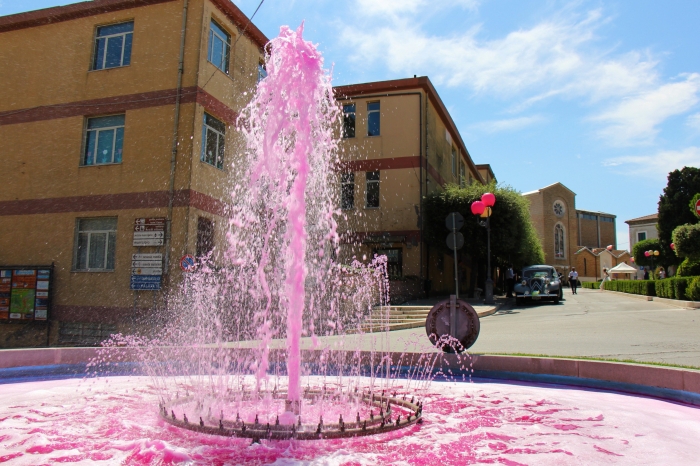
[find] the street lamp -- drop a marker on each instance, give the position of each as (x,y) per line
(652,254)
(483,209)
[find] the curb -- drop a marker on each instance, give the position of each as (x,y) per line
(667,301)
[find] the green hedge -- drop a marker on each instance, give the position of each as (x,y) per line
(674,288)
(590,285)
(643,287)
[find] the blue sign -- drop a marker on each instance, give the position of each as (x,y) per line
(188,263)
(145,279)
(145,286)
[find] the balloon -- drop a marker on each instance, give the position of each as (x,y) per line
(488,199)
(609,248)
(478,207)
(673,246)
(646,253)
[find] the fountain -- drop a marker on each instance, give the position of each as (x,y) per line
(250,352)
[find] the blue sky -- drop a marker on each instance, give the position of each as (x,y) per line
(601,96)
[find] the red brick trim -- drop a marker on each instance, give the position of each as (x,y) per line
(436,175)
(119,104)
(69,12)
(359,236)
(392,163)
(110,202)
(95,314)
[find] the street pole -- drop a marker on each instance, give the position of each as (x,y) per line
(489,282)
(454,231)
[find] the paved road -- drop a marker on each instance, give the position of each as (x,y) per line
(591,323)
(599,324)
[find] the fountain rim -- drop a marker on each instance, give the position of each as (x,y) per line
(680,385)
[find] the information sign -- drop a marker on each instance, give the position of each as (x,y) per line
(25,293)
(149,231)
(146,264)
(145,282)
(147,271)
(148,242)
(147,257)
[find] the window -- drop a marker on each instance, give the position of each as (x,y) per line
(219,47)
(262,72)
(349,121)
(559,242)
(372,190)
(394,263)
(113,46)
(95,241)
(104,140)
(372,118)
(347,191)
(641,235)
(462,174)
(585,267)
(607,219)
(558,209)
(454,160)
(205,236)
(213,138)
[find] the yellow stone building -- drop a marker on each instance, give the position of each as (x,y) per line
(113,111)
(399,143)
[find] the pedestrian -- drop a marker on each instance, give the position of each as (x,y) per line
(662,273)
(646,274)
(573,280)
(606,277)
(510,281)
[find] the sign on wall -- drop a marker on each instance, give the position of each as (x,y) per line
(25,293)
(146,271)
(149,231)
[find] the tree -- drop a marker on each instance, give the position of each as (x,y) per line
(650,245)
(686,239)
(682,186)
(513,237)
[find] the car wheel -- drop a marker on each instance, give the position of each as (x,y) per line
(556,300)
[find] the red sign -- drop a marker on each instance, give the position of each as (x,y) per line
(149,224)
(697,207)
(188,263)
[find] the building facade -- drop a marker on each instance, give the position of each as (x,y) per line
(399,143)
(116,127)
(565,230)
(642,228)
(590,262)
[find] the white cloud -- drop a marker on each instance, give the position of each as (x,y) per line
(509,124)
(395,8)
(694,121)
(635,119)
(657,165)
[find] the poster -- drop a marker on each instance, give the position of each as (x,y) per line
(25,293)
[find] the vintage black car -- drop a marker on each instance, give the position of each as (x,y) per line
(538,282)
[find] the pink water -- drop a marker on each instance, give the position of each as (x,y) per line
(114,421)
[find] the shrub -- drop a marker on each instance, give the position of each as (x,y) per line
(689,268)
(687,240)
(693,290)
(590,285)
(673,288)
(664,288)
(642,287)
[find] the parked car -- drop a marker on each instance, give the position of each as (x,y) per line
(538,282)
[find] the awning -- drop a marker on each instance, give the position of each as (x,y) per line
(622,268)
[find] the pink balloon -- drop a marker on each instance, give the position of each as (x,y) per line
(610,247)
(478,207)
(673,246)
(488,199)
(646,253)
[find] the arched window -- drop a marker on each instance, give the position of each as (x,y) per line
(559,241)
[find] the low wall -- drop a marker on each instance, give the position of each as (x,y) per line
(671,383)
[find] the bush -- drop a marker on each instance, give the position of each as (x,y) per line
(673,288)
(693,290)
(590,285)
(687,240)
(642,287)
(689,268)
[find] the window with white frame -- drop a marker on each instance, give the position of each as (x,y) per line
(104,140)
(372,189)
(262,71)
(559,251)
(641,235)
(113,46)
(349,120)
(219,47)
(213,139)
(94,244)
(373,119)
(347,191)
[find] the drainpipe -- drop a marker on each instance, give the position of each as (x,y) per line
(173,154)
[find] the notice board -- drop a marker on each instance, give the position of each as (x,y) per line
(25,292)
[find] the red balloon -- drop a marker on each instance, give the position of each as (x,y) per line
(488,199)
(646,253)
(610,248)
(478,207)
(631,259)
(673,246)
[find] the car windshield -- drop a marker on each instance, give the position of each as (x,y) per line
(536,274)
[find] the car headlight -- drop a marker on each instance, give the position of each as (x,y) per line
(524,283)
(546,280)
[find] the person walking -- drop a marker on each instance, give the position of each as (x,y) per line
(510,281)
(606,277)
(573,280)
